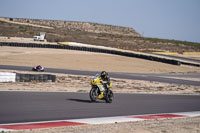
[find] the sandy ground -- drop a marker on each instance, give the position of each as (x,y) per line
(93,61)
(80,60)
(77,83)
(23,40)
(181,125)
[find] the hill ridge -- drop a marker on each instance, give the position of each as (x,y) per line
(81,26)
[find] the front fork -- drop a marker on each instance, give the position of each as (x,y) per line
(97,91)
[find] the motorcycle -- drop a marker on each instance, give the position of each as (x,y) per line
(38,68)
(95,91)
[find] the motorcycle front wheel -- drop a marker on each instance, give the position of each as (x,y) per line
(93,94)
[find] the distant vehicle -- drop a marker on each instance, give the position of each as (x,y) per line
(38,68)
(40,38)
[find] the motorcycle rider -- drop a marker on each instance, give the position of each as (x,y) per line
(39,67)
(102,80)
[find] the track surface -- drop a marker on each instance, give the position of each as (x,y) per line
(147,77)
(44,106)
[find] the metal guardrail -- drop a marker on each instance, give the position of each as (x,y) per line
(18,77)
(115,52)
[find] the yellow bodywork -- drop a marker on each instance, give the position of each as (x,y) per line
(98,81)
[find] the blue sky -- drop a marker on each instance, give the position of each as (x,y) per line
(168,19)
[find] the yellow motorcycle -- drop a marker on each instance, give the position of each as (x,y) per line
(95,91)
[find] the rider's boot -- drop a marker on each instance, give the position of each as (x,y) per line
(101,95)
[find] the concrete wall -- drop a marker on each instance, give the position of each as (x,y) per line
(7,77)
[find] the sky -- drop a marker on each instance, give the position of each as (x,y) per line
(166,19)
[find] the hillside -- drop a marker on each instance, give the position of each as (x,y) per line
(91,33)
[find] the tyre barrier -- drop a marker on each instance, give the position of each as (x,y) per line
(115,52)
(35,77)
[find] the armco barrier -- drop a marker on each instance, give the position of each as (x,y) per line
(116,52)
(7,77)
(35,77)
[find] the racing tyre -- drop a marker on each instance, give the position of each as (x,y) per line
(109,97)
(93,95)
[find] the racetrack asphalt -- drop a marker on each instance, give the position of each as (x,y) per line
(147,77)
(46,106)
